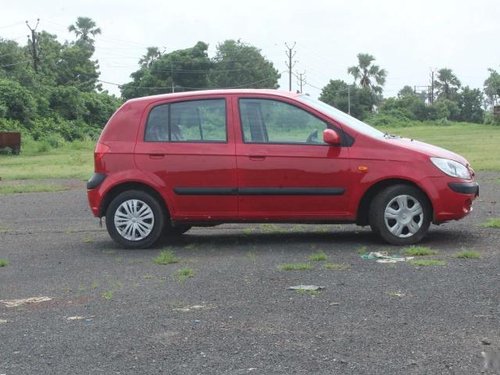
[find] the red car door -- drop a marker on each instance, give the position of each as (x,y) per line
(187,148)
(285,171)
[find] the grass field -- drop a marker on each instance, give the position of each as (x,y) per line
(478,143)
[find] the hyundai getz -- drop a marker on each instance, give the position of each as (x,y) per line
(168,162)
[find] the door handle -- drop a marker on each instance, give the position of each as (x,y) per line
(156,156)
(256,157)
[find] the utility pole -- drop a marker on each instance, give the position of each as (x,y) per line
(302,80)
(34,44)
(348,100)
(432,87)
(172,74)
(290,53)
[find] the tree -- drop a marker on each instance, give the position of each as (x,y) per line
(369,75)
(492,87)
(470,103)
(237,64)
(339,94)
(85,30)
(447,84)
(180,70)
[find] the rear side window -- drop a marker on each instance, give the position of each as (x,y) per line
(191,121)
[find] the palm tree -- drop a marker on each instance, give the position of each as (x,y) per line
(85,29)
(152,54)
(370,76)
(446,84)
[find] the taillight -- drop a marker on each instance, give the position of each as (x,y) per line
(100,150)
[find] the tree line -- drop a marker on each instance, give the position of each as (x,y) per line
(51,90)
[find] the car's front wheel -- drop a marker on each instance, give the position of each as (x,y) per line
(400,214)
(135,219)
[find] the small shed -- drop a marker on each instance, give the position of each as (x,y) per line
(11,140)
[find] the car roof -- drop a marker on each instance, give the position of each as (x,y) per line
(187,94)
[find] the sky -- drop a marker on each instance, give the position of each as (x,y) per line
(408,39)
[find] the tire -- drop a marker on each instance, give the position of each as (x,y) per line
(135,219)
(400,214)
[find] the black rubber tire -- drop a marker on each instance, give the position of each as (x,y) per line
(379,205)
(158,215)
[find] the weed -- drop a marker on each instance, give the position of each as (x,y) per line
(295,267)
(183,274)
(4,262)
(269,228)
(318,256)
(427,262)
(418,251)
(362,250)
(107,295)
(251,255)
(336,266)
(492,223)
(468,254)
(166,257)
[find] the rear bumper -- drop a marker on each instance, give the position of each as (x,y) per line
(93,194)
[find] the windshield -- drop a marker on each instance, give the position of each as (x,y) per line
(344,118)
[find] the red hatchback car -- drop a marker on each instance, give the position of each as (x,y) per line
(169,162)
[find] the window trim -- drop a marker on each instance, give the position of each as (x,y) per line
(169,104)
(346,140)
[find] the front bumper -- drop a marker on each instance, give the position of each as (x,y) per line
(465,187)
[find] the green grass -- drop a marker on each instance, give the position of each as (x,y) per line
(492,223)
(318,256)
(166,257)
(30,188)
(107,295)
(418,251)
(72,160)
(4,262)
(477,143)
(468,254)
(336,266)
(427,262)
(183,274)
(295,267)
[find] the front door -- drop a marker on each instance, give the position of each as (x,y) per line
(285,171)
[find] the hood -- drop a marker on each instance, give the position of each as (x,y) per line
(426,149)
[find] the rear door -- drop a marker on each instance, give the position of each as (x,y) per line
(285,171)
(187,148)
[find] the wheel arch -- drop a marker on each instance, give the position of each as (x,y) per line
(362,217)
(126,186)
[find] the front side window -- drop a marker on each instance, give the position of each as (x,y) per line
(271,121)
(191,121)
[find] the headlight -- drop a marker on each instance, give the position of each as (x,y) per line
(452,168)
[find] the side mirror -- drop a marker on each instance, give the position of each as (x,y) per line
(331,137)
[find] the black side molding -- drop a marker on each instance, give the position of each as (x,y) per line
(257,191)
(95,180)
(465,187)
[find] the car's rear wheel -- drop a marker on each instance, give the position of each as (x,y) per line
(400,214)
(135,219)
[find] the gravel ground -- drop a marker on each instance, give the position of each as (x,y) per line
(115,311)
